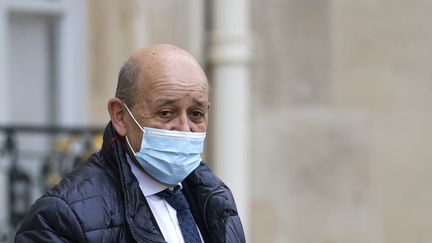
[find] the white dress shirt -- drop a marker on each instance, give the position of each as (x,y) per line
(165,215)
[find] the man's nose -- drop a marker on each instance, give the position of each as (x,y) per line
(182,123)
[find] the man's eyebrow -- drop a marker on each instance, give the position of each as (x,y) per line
(169,101)
(201,102)
(165,101)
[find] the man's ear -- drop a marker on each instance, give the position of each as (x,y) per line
(118,115)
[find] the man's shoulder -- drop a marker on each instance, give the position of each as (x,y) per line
(92,178)
(86,200)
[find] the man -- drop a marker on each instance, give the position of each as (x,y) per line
(148,183)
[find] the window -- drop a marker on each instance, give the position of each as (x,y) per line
(42,78)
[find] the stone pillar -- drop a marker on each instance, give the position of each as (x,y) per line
(230,56)
(4,96)
(71,71)
(4,118)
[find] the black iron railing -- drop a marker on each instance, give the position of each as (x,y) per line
(66,147)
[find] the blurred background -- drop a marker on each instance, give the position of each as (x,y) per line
(322,109)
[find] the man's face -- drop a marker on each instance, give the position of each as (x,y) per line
(173,95)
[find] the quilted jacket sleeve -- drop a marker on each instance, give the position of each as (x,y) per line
(50,220)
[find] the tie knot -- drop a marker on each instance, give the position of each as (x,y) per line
(175,198)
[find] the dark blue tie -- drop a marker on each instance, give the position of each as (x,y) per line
(177,200)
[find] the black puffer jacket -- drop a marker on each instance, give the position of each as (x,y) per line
(100,201)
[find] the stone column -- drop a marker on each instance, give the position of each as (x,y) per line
(4,118)
(230,56)
(4,96)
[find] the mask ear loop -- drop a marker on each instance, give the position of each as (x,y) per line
(127,141)
(136,122)
(130,113)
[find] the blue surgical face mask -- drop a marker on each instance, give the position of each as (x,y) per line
(168,156)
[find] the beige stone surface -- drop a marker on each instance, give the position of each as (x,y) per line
(382,66)
(314,177)
(342,96)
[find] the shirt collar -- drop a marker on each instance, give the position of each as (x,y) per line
(148,185)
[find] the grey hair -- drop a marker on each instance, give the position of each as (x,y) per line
(127,89)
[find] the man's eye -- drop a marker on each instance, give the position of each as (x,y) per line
(165,114)
(197,114)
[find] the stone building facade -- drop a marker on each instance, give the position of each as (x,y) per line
(336,97)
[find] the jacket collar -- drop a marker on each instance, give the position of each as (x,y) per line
(138,215)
